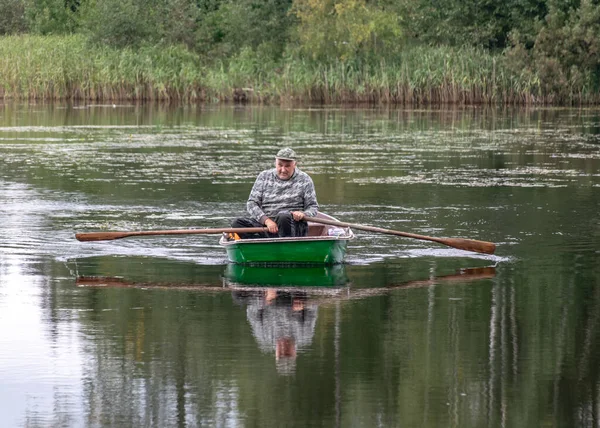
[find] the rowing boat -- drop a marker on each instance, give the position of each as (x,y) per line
(321,245)
(324,244)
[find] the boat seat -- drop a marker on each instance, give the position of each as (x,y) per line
(316,230)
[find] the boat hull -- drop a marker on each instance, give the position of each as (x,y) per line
(316,250)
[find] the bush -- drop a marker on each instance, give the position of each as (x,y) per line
(51,16)
(565,54)
(12,17)
(118,23)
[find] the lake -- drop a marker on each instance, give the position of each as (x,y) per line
(163,331)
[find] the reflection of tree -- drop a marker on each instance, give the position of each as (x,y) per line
(484,352)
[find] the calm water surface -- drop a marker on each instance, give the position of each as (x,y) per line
(161,331)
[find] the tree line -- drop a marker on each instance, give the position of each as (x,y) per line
(553,45)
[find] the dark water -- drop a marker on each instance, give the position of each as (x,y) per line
(162,331)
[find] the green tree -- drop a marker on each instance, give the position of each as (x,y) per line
(227,27)
(177,22)
(345,29)
(120,23)
(52,16)
(566,50)
(12,17)
(481,23)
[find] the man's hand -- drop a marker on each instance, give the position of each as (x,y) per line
(271,225)
(298,215)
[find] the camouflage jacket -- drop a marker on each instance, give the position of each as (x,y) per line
(270,195)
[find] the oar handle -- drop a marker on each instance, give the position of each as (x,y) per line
(460,243)
(107,236)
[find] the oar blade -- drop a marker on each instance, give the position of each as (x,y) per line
(470,245)
(99,236)
(460,243)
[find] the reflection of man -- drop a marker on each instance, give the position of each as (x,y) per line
(282,322)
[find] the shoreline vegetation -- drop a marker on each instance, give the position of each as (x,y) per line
(474,52)
(65,68)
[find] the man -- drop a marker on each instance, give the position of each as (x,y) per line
(280,199)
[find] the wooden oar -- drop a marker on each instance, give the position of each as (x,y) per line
(460,243)
(107,236)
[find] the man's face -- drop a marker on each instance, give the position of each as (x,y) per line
(285,168)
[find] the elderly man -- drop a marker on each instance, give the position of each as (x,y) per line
(280,199)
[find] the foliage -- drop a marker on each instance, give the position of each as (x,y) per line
(176,22)
(227,27)
(482,23)
(345,29)
(566,52)
(119,23)
(12,17)
(51,16)
(533,51)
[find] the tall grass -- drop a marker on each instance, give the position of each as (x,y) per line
(67,68)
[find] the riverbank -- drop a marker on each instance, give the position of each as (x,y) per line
(66,68)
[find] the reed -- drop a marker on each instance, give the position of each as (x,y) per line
(67,68)
(419,75)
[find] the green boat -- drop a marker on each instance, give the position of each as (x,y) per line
(324,244)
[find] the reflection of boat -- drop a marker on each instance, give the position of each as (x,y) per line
(304,276)
(329,282)
(149,270)
(324,245)
(460,277)
(463,276)
(118,282)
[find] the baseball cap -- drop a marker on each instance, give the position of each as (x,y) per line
(286,154)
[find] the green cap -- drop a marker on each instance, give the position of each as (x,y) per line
(286,154)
